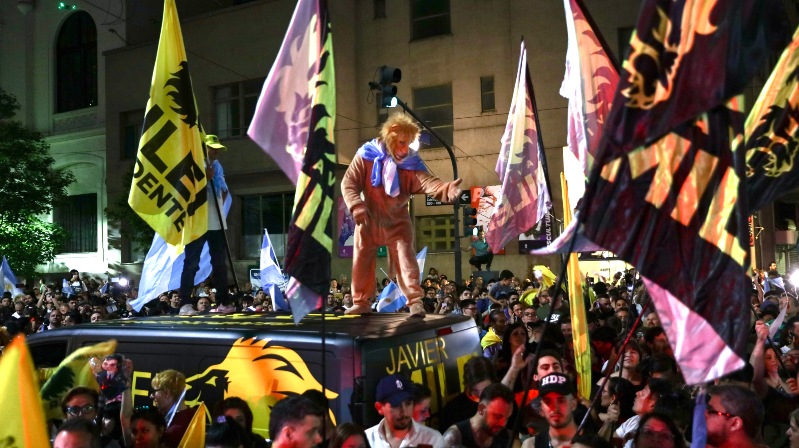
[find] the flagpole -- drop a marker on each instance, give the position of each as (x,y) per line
(619,354)
(224,234)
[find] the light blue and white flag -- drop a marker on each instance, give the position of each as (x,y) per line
(279,302)
(163,267)
(420,258)
(391,299)
(67,289)
(104,288)
(9,280)
(772,283)
(271,274)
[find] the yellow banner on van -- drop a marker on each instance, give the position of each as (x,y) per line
(75,370)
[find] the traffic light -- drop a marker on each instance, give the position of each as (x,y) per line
(469,220)
(388,91)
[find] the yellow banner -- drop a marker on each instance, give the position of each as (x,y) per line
(169,180)
(195,432)
(20,407)
(582,351)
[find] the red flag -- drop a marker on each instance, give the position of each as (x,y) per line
(665,193)
(589,84)
(772,133)
(524,198)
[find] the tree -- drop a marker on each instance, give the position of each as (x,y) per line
(131,225)
(29,187)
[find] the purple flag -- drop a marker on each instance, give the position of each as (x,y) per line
(282,117)
(524,198)
(294,123)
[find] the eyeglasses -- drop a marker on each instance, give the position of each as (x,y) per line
(79,410)
(470,308)
(710,410)
(156,390)
(528,314)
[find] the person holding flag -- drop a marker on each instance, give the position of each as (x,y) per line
(217,191)
(387,171)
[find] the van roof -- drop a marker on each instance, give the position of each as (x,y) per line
(371,326)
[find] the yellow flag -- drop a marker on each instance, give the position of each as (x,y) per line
(23,424)
(73,371)
(195,432)
(169,180)
(582,351)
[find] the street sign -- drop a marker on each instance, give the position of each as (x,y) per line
(466,198)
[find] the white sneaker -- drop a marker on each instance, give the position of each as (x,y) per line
(359,309)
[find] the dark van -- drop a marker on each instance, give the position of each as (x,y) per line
(264,357)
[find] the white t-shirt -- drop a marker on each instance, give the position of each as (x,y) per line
(628,428)
(419,434)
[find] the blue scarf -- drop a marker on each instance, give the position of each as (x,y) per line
(376,152)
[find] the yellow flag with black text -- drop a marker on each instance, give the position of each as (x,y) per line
(168,188)
(20,407)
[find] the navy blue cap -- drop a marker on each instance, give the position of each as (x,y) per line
(393,389)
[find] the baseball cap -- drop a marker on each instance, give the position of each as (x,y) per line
(555,382)
(393,389)
(213,142)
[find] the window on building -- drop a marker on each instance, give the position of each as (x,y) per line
(625,34)
(130,126)
(234,106)
(429,18)
(76,63)
(78,216)
(487,94)
(435,232)
(380,9)
(434,106)
(271,212)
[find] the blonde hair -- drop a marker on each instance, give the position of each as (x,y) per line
(395,125)
(171,380)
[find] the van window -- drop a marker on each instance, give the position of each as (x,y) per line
(49,354)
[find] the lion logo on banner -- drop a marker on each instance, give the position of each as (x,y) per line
(257,372)
(662,51)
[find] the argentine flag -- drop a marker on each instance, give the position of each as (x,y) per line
(270,271)
(391,299)
(420,259)
(67,289)
(9,280)
(163,266)
(271,275)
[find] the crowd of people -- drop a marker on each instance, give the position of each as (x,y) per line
(640,400)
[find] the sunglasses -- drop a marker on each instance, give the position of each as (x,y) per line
(710,410)
(79,410)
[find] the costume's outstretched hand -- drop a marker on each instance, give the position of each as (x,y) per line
(360,214)
(454,190)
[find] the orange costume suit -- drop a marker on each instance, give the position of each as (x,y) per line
(382,215)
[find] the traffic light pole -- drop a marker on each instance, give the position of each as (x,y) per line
(456,204)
